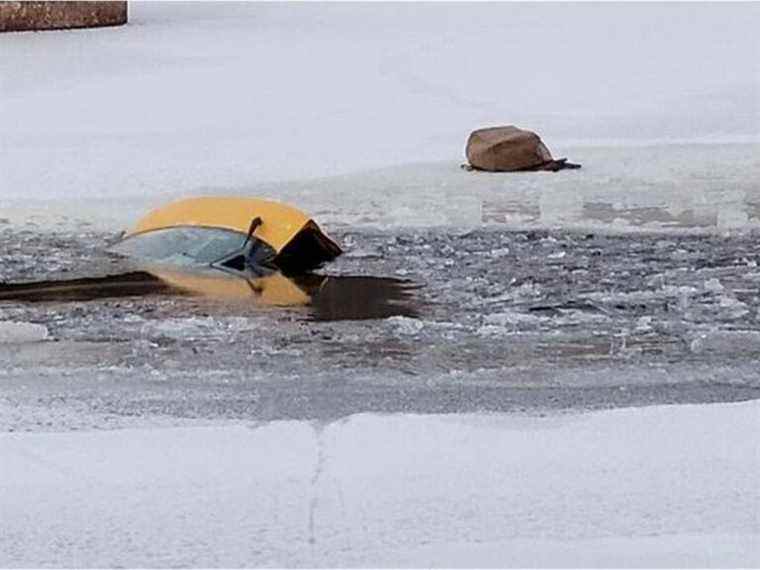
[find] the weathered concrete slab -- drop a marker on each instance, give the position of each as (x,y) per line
(20,16)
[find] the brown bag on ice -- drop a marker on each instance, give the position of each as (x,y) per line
(509,149)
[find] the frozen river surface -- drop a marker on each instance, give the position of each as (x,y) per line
(488,321)
(278,436)
(158,429)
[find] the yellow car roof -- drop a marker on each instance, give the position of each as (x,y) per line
(280,223)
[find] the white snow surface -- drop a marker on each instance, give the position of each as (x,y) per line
(222,98)
(659,486)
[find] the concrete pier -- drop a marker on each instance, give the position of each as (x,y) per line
(24,16)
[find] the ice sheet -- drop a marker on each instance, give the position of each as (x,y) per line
(14,332)
(657,486)
(190,99)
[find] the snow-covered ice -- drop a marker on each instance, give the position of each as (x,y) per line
(13,332)
(661,486)
(659,102)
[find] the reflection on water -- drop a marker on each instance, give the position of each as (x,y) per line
(132,284)
(325,297)
(358,297)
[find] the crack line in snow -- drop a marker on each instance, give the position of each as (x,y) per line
(319,467)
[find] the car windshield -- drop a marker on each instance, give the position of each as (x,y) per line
(182,245)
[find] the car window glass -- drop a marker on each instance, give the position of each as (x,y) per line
(182,246)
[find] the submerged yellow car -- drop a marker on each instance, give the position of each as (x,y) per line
(231,249)
(253,242)
(230,234)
